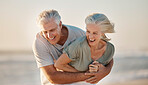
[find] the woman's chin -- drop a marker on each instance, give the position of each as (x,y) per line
(91,44)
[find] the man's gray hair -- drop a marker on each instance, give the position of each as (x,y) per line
(103,22)
(47,15)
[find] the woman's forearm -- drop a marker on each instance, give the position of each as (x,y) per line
(65,67)
(62,64)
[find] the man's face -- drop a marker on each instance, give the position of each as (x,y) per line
(52,32)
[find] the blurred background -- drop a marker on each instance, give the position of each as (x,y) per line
(18,29)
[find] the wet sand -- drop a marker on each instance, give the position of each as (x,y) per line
(132,82)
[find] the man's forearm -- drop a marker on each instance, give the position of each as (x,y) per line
(109,67)
(58,77)
(68,77)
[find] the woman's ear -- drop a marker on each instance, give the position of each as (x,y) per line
(60,24)
(102,34)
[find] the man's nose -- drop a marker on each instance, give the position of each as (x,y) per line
(50,35)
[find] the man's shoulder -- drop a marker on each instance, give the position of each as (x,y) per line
(75,32)
(38,39)
(79,41)
(74,28)
(40,42)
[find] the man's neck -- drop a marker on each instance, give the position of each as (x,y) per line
(64,35)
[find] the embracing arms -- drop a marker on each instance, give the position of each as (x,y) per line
(58,77)
(62,64)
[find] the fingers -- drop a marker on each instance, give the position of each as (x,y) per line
(91,80)
(93,68)
(94,79)
(90,74)
(101,66)
(96,63)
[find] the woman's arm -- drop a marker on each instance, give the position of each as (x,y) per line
(62,64)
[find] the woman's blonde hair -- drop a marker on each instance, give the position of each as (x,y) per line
(103,22)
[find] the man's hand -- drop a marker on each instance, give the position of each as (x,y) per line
(96,76)
(103,71)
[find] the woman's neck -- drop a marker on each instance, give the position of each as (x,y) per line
(98,51)
(99,46)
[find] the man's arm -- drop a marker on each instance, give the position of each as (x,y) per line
(103,71)
(58,77)
(43,57)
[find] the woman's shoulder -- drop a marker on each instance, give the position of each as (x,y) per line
(110,49)
(108,55)
(110,46)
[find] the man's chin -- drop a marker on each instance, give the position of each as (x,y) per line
(51,42)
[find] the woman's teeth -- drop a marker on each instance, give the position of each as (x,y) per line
(52,38)
(92,40)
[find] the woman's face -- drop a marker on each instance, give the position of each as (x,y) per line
(93,34)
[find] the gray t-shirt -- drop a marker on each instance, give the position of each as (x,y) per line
(79,52)
(44,51)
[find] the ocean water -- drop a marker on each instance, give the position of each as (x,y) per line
(128,68)
(21,69)
(18,69)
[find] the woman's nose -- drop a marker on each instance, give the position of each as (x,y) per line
(90,35)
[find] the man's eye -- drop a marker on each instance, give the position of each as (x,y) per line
(45,32)
(52,30)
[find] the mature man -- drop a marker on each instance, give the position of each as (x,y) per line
(48,46)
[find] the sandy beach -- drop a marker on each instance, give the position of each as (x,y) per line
(131,82)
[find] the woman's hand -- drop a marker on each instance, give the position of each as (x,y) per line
(94,67)
(103,71)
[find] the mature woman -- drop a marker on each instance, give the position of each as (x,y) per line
(92,47)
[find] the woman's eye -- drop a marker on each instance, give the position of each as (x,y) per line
(45,31)
(95,33)
(87,31)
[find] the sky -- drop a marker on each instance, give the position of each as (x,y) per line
(18,25)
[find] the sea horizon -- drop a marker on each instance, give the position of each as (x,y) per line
(19,68)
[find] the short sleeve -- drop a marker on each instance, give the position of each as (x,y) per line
(72,50)
(41,53)
(109,54)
